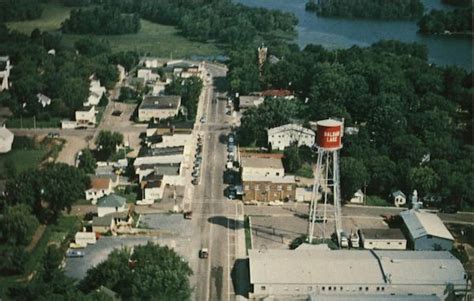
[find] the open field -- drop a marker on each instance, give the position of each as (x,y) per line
(22,159)
(152,39)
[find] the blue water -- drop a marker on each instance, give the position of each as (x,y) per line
(343,33)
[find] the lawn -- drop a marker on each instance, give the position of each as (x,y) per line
(248,234)
(23,160)
(29,123)
(152,39)
(53,15)
(376,201)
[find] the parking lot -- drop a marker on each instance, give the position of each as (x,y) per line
(174,231)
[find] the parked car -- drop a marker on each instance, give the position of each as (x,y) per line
(204,253)
(203,119)
(321,219)
(449,209)
(231,138)
(188,215)
(74,253)
(231,192)
(344,240)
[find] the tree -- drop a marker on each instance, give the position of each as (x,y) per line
(107,143)
(149,272)
(49,190)
(291,158)
(353,176)
(424,179)
(10,168)
(87,161)
(382,175)
(18,224)
(51,261)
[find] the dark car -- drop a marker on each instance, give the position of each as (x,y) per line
(188,215)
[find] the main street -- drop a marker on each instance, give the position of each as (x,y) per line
(215,219)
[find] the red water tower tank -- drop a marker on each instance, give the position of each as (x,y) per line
(329,133)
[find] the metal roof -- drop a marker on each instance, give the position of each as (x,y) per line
(273,179)
(354,267)
(290,127)
(421,223)
(160,102)
(382,234)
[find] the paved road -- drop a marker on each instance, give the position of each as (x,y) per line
(214,217)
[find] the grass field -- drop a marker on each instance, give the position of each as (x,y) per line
(23,160)
(152,39)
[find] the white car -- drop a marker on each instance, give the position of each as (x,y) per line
(203,119)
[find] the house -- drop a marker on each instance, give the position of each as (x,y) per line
(85,238)
(43,100)
(283,136)
(96,91)
(170,170)
(110,204)
(151,63)
(287,94)
(86,116)
(165,155)
(158,88)
(6,140)
(122,73)
(159,107)
(5,68)
(357,198)
(148,75)
(152,187)
(318,274)
(99,187)
(113,222)
(399,198)
(426,231)
(383,239)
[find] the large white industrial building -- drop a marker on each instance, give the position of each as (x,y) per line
(283,136)
(317,274)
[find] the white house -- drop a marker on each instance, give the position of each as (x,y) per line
(147,75)
(96,91)
(43,100)
(110,204)
(6,140)
(99,187)
(122,73)
(358,197)
(399,198)
(152,63)
(283,136)
(383,239)
(86,116)
(426,231)
(159,107)
(152,187)
(4,72)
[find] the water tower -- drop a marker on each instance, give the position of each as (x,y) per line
(326,179)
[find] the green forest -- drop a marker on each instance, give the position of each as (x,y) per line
(414,119)
(18,10)
(373,9)
(100,20)
(440,22)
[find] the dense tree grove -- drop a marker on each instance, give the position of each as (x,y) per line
(47,191)
(63,77)
(203,20)
(439,22)
(458,2)
(18,10)
(414,119)
(375,9)
(100,20)
(150,272)
(190,90)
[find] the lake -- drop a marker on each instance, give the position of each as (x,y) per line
(335,33)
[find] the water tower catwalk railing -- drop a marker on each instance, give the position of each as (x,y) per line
(326,178)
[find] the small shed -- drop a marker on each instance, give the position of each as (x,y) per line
(399,198)
(426,231)
(383,239)
(358,197)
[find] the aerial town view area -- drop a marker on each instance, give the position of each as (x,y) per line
(218,150)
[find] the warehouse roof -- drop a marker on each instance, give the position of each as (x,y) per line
(261,162)
(290,127)
(354,267)
(421,223)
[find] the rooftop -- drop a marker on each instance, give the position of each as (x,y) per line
(290,127)
(254,162)
(111,200)
(276,180)
(162,151)
(162,169)
(355,267)
(329,122)
(277,93)
(421,223)
(100,183)
(160,102)
(382,233)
